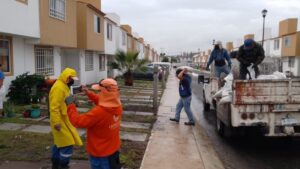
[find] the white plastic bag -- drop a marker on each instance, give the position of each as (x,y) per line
(226,99)
(275,75)
(227,89)
(218,94)
(251,72)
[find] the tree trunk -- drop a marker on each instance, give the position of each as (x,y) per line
(128,78)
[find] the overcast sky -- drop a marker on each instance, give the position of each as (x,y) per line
(175,26)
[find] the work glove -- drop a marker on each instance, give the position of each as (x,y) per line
(229,66)
(70,99)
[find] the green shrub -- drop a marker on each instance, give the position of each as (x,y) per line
(25,89)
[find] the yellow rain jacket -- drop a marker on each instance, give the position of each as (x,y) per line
(68,134)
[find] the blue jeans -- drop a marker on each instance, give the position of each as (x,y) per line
(221,69)
(184,102)
(62,155)
(109,162)
(99,162)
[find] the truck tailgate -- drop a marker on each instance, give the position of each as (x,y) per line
(284,91)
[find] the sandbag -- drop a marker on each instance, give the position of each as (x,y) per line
(226,99)
(275,75)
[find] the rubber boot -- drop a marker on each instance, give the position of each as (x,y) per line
(55,163)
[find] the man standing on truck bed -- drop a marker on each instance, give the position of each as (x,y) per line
(185,93)
(250,53)
(219,55)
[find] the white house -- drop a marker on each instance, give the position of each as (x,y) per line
(111,40)
(19,31)
(267,42)
(275,47)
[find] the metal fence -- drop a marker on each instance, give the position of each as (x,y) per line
(44,61)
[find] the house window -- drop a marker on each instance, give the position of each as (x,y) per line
(109,31)
(102,62)
(57,9)
(23,1)
(123,38)
(291,62)
(287,41)
(89,61)
(276,44)
(6,54)
(96,24)
(44,60)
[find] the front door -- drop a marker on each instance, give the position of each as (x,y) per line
(71,58)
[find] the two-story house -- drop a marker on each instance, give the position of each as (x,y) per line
(19,31)
(128,29)
(290,46)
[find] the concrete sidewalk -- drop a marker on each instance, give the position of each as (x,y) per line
(176,146)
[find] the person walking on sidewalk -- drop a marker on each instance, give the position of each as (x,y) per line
(185,93)
(64,133)
(219,55)
(102,123)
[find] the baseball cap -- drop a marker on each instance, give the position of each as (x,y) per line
(248,44)
(109,97)
(74,78)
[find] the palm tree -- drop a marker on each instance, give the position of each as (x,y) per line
(127,63)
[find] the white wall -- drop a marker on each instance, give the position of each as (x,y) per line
(23,59)
(20,19)
(277,52)
(140,49)
(295,70)
(57,62)
(89,77)
(121,46)
(110,45)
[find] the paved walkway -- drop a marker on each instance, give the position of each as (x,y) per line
(173,145)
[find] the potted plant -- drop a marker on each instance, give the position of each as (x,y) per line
(9,109)
(35,111)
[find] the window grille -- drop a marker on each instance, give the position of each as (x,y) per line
(57,9)
(44,61)
(89,61)
(102,62)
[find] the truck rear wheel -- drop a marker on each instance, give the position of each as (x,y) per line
(206,105)
(223,130)
(220,126)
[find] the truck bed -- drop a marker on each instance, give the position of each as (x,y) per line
(285,91)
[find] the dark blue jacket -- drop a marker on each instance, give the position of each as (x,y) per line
(185,86)
(219,56)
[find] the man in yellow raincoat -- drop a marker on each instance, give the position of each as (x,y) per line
(64,133)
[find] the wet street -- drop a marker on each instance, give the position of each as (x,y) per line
(251,152)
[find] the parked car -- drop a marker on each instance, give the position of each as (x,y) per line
(148,74)
(165,65)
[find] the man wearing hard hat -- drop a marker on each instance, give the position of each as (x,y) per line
(102,123)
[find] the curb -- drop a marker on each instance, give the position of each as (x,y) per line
(206,150)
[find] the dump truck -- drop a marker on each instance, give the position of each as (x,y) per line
(271,106)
